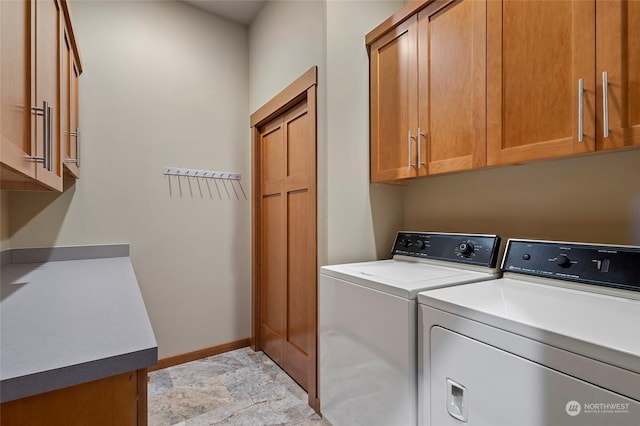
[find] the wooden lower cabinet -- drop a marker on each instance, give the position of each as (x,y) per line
(113,401)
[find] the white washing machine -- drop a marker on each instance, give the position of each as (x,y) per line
(554,342)
(368,323)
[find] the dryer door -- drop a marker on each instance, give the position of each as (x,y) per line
(473,383)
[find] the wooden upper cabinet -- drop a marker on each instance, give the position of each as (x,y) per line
(452,86)
(537,53)
(30,121)
(33,118)
(428,92)
(394,103)
(49,22)
(69,117)
(618,54)
(501,82)
(16,79)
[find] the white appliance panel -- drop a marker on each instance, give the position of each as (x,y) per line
(367,355)
(487,386)
(601,326)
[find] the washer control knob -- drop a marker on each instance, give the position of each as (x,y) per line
(407,243)
(421,244)
(466,248)
(563,261)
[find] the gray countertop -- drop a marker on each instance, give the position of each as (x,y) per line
(67,322)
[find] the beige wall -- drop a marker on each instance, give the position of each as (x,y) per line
(164,85)
(361,219)
(594,198)
(285,40)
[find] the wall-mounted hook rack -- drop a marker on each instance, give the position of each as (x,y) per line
(180,171)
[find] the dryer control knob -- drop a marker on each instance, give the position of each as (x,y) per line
(421,244)
(466,248)
(563,261)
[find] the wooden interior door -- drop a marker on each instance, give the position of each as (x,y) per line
(452,86)
(394,104)
(618,54)
(288,242)
(537,52)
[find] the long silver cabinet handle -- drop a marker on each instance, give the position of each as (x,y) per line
(78,147)
(42,111)
(409,165)
(420,162)
(580,110)
(605,104)
(76,161)
(50,138)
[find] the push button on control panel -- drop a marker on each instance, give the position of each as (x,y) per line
(602,265)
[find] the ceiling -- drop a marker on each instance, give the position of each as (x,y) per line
(240,11)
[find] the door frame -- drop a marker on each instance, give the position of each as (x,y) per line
(304,87)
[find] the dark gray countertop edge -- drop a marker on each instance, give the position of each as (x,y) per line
(33,384)
(5,257)
(52,254)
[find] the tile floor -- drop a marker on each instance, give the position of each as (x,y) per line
(241,387)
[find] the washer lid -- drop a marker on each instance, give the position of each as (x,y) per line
(599,326)
(403,278)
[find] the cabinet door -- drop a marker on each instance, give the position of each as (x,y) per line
(17,47)
(537,53)
(69,109)
(114,400)
(618,54)
(74,114)
(452,86)
(48,42)
(394,104)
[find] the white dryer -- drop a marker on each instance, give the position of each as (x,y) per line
(368,323)
(555,341)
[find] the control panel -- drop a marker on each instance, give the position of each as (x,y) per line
(611,266)
(472,249)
